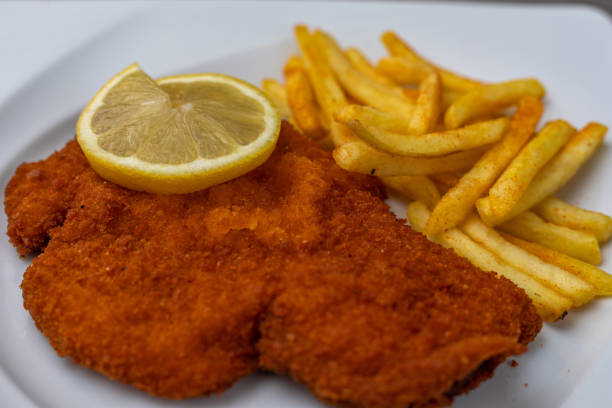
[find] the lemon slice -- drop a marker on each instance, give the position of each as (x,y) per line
(178,134)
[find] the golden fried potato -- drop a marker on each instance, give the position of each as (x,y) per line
(444,181)
(278,94)
(363,65)
(579,244)
(559,212)
(329,93)
(301,99)
(490,99)
(601,280)
(513,182)
(372,117)
(360,157)
(397,48)
(557,279)
(556,172)
(415,188)
(459,201)
(431,144)
(550,305)
(404,71)
(390,99)
(427,108)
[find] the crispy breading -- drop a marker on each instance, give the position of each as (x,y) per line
(296,267)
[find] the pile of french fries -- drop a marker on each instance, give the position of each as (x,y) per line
(468,154)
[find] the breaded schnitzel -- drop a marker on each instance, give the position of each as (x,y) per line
(297,267)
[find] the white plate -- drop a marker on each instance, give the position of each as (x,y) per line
(568,48)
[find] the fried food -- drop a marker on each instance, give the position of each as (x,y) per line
(297,267)
(490,99)
(457,203)
(555,174)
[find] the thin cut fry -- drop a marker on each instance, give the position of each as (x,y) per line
(550,305)
(404,71)
(444,181)
(427,107)
(329,93)
(513,182)
(301,99)
(555,173)
(579,244)
(549,275)
(457,203)
(601,280)
(415,188)
(397,48)
(362,158)
(561,213)
(340,134)
(431,144)
(278,94)
(360,87)
(363,65)
(373,117)
(490,99)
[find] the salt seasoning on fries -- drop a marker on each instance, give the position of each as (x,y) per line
(423,130)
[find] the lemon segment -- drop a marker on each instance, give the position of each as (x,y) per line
(178,134)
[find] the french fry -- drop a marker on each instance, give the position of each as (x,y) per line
(415,188)
(557,279)
(550,305)
(340,134)
(407,72)
(448,98)
(444,181)
(360,157)
(513,182)
(301,99)
(404,71)
(360,87)
(427,108)
(329,93)
(278,94)
(431,144)
(601,280)
(559,212)
(397,48)
(457,203)
(373,117)
(363,65)
(579,244)
(490,99)
(555,173)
